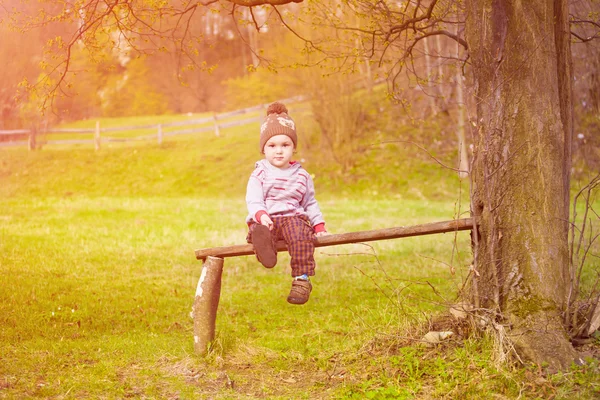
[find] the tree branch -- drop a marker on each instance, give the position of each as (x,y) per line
(424,150)
(293,31)
(254,3)
(578,21)
(586,39)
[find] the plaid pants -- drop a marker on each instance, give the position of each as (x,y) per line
(298,234)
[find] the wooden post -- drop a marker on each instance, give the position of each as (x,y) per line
(217,131)
(97,136)
(206,302)
(160,135)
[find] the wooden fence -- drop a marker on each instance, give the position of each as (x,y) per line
(34,139)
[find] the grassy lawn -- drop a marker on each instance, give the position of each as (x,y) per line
(98,275)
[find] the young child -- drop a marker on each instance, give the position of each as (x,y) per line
(281,203)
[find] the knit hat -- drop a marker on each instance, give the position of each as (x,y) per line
(277,122)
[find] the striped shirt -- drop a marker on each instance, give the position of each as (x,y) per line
(282,193)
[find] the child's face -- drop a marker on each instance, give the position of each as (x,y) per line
(279,151)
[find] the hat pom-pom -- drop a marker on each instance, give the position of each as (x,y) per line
(276,108)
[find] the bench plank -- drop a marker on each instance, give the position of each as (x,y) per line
(349,237)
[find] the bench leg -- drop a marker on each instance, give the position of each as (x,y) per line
(206,302)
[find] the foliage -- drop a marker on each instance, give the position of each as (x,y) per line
(88,53)
(131,94)
(15,69)
(260,86)
(345,119)
(29,110)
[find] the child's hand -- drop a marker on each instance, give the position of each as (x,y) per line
(266,221)
(322,233)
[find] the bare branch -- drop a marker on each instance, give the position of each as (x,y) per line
(575,20)
(578,21)
(577,260)
(586,39)
(423,149)
(451,35)
(78,35)
(254,20)
(413,21)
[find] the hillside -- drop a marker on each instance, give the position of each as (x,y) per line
(203,165)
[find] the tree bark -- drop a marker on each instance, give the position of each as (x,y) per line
(522,79)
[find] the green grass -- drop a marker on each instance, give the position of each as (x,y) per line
(94,286)
(98,275)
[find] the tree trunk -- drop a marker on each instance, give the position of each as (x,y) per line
(463,156)
(522,71)
(432,105)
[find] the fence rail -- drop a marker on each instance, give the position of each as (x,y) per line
(212,123)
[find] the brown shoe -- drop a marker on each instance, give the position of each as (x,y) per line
(263,246)
(300,292)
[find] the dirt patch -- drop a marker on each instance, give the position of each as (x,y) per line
(238,378)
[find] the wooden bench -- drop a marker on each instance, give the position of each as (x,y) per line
(208,290)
